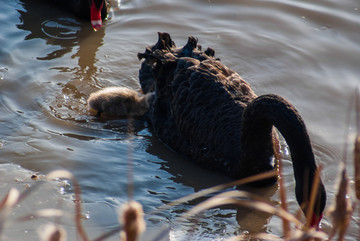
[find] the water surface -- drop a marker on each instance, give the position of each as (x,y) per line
(50,62)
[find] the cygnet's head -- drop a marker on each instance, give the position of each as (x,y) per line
(118,102)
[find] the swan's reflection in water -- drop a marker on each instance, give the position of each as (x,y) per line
(187,173)
(56,27)
(67,35)
(61,28)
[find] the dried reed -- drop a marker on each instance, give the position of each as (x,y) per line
(357,147)
(357,166)
(77,191)
(215,189)
(340,212)
(133,223)
(132,214)
(52,232)
(7,204)
(252,201)
(313,195)
(282,190)
(298,235)
(132,217)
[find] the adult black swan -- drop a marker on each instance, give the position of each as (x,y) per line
(91,10)
(208,112)
(200,108)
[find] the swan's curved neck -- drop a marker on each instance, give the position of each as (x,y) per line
(258,118)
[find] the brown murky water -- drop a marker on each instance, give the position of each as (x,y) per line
(305,51)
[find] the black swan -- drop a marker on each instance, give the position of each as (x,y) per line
(208,112)
(118,102)
(93,10)
(200,108)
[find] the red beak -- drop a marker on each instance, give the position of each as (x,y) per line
(315,221)
(95,16)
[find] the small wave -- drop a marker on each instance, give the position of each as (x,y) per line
(61,28)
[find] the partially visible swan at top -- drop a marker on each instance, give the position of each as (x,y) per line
(94,11)
(206,111)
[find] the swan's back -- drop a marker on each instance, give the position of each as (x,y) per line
(208,112)
(198,103)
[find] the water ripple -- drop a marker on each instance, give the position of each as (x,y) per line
(61,28)
(3,72)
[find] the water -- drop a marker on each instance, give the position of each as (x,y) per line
(50,62)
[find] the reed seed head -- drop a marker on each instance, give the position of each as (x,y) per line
(52,232)
(132,218)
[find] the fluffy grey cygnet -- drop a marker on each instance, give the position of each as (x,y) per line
(118,101)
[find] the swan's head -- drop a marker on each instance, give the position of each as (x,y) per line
(303,195)
(118,102)
(98,12)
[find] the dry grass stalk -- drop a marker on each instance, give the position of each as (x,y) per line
(259,236)
(211,190)
(312,201)
(6,205)
(13,197)
(282,189)
(311,234)
(132,218)
(77,191)
(10,199)
(130,167)
(298,235)
(357,147)
(357,167)
(52,233)
(253,201)
(217,188)
(257,203)
(341,211)
(43,213)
